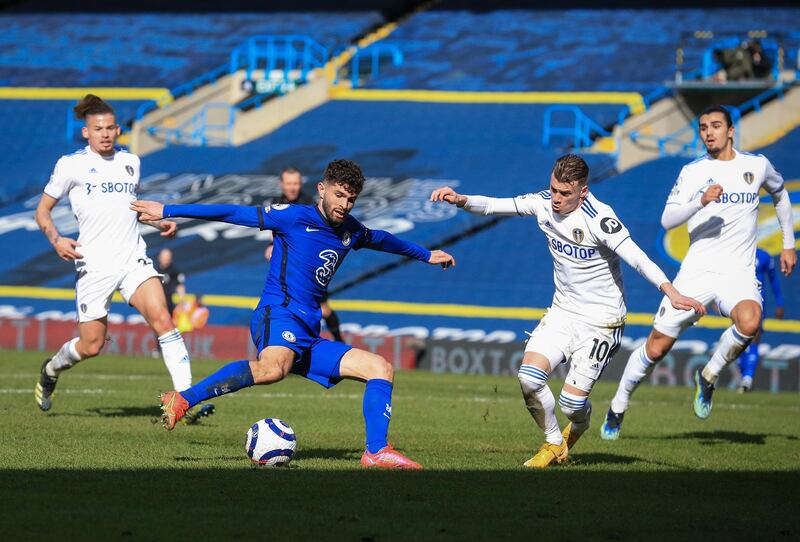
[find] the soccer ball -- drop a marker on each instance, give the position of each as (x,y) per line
(270,442)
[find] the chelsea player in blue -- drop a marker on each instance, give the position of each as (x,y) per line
(748,361)
(311,242)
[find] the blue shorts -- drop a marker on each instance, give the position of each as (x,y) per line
(317,359)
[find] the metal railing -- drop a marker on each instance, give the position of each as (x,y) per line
(291,53)
(581,130)
(286,53)
(199,130)
(366,62)
(679,144)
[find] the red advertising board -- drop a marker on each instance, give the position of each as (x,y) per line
(210,342)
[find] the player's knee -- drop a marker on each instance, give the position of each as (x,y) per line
(380,368)
(531,379)
(749,324)
(265,372)
(89,348)
(575,408)
(657,347)
(162,322)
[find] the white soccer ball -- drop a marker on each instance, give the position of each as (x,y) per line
(270,442)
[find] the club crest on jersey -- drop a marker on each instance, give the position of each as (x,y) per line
(289,336)
(129,169)
(749,177)
(610,225)
(346,239)
(577,234)
(710,182)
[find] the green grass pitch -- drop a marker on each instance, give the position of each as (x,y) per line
(95,467)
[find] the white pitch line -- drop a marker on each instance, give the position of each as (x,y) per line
(19,391)
(89,376)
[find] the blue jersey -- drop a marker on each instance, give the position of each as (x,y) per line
(765,268)
(308,249)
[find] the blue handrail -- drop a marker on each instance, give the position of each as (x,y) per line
(195,131)
(289,53)
(580,130)
(677,139)
(375,53)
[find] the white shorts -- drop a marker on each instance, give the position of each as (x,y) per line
(94,288)
(561,337)
(725,289)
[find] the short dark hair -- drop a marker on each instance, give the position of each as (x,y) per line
(344,172)
(571,168)
(91,105)
(289,170)
(716,108)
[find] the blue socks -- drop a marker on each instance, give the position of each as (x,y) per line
(234,376)
(377,410)
(748,361)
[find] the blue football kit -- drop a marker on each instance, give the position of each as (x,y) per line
(765,272)
(308,251)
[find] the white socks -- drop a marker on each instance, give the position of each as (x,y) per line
(65,358)
(729,347)
(540,401)
(176,358)
(638,368)
(578,409)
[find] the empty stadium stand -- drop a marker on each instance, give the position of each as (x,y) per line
(453,47)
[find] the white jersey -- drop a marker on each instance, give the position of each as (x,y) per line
(722,234)
(100,191)
(586,268)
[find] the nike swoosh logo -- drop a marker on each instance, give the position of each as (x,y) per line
(311,229)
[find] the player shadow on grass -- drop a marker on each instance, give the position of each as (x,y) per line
(327,453)
(711,438)
(595,459)
(126,412)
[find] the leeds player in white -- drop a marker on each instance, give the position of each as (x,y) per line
(585,322)
(109,255)
(717,196)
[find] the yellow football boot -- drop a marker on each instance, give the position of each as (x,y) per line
(548,454)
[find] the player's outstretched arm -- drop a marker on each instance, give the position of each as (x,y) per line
(680,301)
(232,214)
(636,258)
(442,258)
(483,205)
(168,228)
(386,242)
(65,247)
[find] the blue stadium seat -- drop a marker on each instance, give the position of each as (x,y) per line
(141,50)
(447,48)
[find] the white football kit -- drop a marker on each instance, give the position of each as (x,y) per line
(587,316)
(720,264)
(100,191)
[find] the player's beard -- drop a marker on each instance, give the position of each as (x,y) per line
(330,216)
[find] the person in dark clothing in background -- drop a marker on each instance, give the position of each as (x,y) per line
(173,280)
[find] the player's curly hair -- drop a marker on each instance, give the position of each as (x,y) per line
(570,168)
(91,105)
(344,172)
